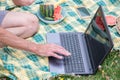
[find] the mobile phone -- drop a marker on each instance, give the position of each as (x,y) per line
(83,12)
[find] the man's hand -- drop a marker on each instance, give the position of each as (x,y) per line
(23,2)
(50,50)
(12,40)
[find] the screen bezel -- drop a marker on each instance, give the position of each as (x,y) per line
(105,24)
(109,36)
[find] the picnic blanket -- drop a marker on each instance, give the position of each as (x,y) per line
(22,65)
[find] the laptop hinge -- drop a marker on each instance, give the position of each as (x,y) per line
(89,51)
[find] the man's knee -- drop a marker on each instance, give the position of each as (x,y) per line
(33,23)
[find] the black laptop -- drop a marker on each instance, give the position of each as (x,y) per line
(88,49)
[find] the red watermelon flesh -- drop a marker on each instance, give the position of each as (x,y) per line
(57,13)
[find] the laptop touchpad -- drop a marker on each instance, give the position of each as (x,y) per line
(56,65)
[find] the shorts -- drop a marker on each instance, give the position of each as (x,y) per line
(2,15)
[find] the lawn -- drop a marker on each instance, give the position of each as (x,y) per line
(109,70)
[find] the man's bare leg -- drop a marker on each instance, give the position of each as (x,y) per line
(21,24)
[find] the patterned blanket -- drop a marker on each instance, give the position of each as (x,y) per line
(22,65)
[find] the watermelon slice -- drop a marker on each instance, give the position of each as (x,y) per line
(47,11)
(51,13)
(57,13)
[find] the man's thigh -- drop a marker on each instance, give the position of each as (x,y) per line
(16,19)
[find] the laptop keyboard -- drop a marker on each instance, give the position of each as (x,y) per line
(72,63)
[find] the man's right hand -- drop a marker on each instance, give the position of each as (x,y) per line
(50,50)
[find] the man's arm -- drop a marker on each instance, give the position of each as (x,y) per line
(40,49)
(12,40)
(23,2)
(13,3)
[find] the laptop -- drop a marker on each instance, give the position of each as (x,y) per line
(88,49)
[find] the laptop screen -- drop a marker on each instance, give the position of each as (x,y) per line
(98,38)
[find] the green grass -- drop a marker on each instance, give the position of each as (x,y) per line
(110,70)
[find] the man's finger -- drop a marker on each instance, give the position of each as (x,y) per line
(57,56)
(62,51)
